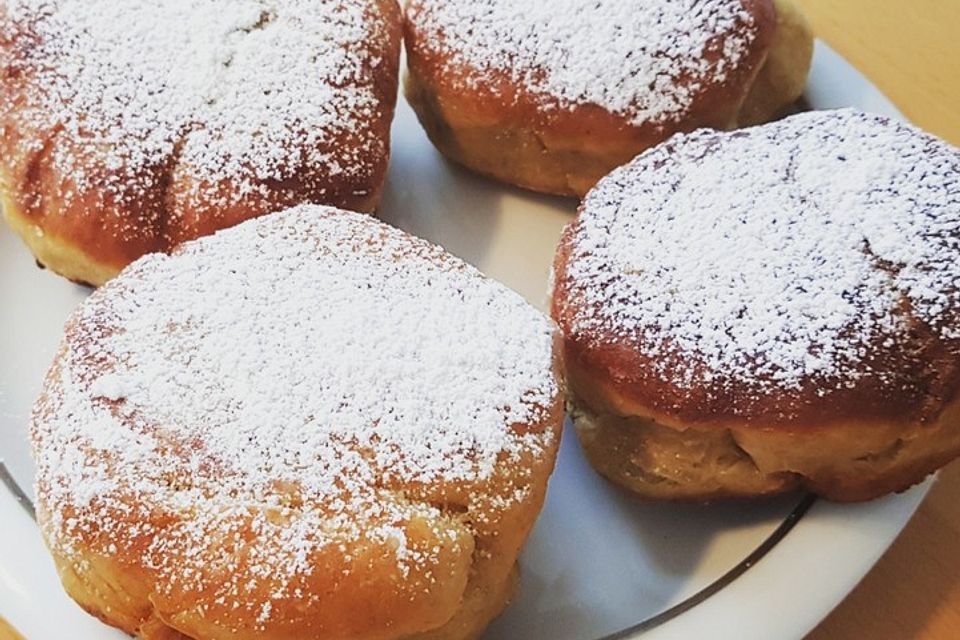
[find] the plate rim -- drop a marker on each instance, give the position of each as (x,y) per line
(879,522)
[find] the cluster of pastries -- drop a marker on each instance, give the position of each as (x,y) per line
(285,419)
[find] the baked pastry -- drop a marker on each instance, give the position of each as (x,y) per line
(551,96)
(128,128)
(777,307)
(310,425)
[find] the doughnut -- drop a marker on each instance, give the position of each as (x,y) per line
(552,96)
(129,128)
(308,425)
(745,313)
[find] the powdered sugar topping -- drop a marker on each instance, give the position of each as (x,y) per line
(313,364)
(640,58)
(247,91)
(774,255)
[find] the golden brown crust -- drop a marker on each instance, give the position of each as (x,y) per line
(501,129)
(846,461)
(477,542)
(672,403)
(917,387)
(849,450)
(356,541)
(783,77)
(89,231)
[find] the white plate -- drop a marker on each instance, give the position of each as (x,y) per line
(598,562)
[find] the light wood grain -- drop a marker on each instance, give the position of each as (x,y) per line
(913,593)
(911,50)
(908,48)
(7,632)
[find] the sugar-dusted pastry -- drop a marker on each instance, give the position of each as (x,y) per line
(129,127)
(551,96)
(777,307)
(310,425)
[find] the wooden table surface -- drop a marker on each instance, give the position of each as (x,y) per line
(911,50)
